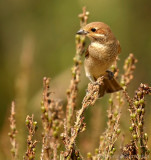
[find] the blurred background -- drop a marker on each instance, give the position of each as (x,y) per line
(37,39)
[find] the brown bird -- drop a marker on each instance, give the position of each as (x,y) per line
(100,55)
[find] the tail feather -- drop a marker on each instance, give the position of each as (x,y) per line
(109,86)
(112,85)
(102,90)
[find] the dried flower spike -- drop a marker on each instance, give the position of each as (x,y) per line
(89,99)
(73,88)
(137,111)
(31,145)
(13,132)
(52,123)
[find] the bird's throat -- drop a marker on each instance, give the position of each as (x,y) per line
(98,45)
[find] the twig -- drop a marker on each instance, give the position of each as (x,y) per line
(137,111)
(129,68)
(137,149)
(52,122)
(31,145)
(89,99)
(73,88)
(13,132)
(110,136)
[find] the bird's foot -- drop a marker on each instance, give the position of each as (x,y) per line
(110,74)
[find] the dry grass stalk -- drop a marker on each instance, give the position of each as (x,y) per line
(22,85)
(31,145)
(137,149)
(137,111)
(129,68)
(13,132)
(73,88)
(52,122)
(89,99)
(109,137)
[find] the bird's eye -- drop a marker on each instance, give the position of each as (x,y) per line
(93,29)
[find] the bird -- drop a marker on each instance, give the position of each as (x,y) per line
(101,53)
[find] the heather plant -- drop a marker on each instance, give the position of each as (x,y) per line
(62,124)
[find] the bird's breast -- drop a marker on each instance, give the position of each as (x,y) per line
(100,58)
(103,52)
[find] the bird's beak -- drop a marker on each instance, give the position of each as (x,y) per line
(82,32)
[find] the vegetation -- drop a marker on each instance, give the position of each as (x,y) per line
(60,128)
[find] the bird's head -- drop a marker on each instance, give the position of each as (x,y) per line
(97,31)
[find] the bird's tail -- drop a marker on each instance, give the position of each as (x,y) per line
(109,86)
